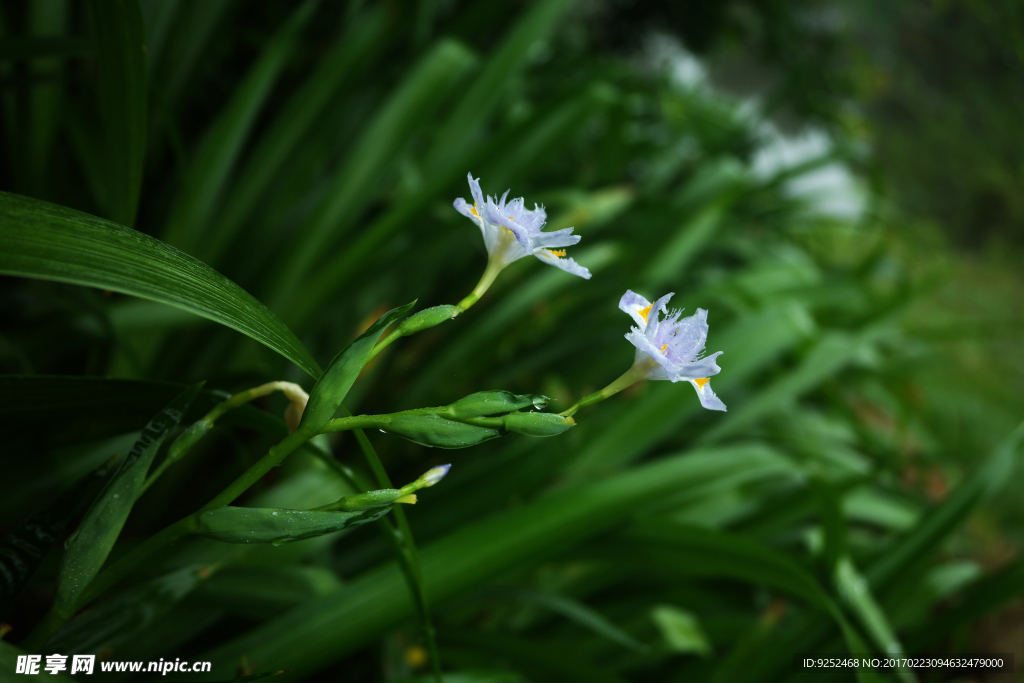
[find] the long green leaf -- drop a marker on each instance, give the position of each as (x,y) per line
(50,242)
(268,525)
(121,51)
(89,546)
(855,592)
(332,387)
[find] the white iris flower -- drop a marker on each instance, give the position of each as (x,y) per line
(511,232)
(671,348)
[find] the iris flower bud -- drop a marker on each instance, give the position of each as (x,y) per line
(425,319)
(538,424)
(484,403)
(431,429)
(265,525)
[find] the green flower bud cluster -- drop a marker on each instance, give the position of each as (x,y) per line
(474,419)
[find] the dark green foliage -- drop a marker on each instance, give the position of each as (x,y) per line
(23,549)
(87,548)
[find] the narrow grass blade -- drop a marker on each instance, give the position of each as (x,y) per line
(936,525)
(190,222)
(576,611)
(121,53)
(88,547)
(277,146)
(422,91)
(463,125)
(856,594)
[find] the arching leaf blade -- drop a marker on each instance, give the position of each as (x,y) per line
(51,242)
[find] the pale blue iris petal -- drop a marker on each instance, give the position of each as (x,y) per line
(632,303)
(566,264)
(643,342)
(474,187)
(708,399)
(556,239)
(465,209)
(705,367)
(686,337)
(653,320)
(533,219)
(499,216)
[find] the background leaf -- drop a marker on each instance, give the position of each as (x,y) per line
(121,54)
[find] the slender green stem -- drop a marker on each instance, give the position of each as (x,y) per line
(636,373)
(273,458)
(390,337)
(344,424)
(405,550)
(494,266)
(187,439)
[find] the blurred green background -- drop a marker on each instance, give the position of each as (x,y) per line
(837,182)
